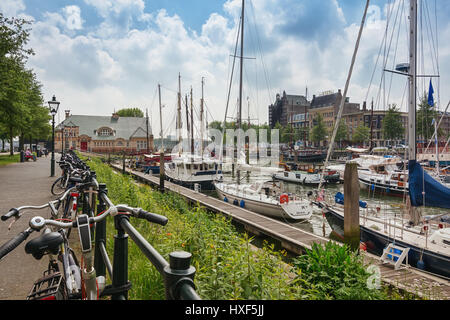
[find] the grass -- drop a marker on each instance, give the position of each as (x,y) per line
(7,159)
(227,265)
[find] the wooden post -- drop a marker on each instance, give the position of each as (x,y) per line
(161,172)
(351,206)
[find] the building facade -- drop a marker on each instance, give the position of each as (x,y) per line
(285,107)
(103,134)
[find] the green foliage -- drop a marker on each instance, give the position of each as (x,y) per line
(21,100)
(424,118)
(227,265)
(336,272)
(131,112)
(342,131)
(392,124)
(361,134)
(319,130)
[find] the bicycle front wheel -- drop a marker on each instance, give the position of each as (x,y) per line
(58,187)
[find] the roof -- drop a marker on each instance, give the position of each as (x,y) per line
(124,127)
(325,100)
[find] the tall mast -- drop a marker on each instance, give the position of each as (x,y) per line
(180,138)
(187,117)
(146,124)
(192,127)
(160,118)
(412,80)
(201,119)
(239,120)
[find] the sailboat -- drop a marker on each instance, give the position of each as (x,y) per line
(426,240)
(186,168)
(265,197)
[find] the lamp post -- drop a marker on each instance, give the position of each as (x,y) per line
(53,108)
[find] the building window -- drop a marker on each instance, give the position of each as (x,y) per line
(105,132)
(141,145)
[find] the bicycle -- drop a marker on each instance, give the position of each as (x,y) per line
(51,286)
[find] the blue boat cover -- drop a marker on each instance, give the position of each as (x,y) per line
(436,194)
(339,198)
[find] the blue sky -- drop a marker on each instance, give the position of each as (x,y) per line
(98,56)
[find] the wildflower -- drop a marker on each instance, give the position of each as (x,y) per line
(169,234)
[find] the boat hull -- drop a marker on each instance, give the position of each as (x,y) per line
(382,188)
(376,242)
(270,210)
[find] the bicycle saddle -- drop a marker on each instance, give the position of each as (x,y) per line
(75,179)
(45,243)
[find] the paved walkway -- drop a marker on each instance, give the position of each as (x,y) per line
(26,183)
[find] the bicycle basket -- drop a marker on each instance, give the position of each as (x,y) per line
(50,287)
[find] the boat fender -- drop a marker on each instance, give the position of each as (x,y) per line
(284,198)
(225,199)
(242,204)
(388,190)
(235,202)
(363,246)
(421,265)
(372,187)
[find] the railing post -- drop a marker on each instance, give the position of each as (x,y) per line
(100,233)
(179,272)
(120,263)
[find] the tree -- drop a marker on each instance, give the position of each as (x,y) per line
(361,134)
(318,131)
(392,124)
(131,112)
(424,119)
(341,133)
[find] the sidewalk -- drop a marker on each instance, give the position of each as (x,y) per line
(26,183)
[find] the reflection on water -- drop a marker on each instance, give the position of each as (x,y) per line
(388,206)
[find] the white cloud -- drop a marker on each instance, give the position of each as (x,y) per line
(117,65)
(11,8)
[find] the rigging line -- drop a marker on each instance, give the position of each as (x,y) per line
(431,39)
(229,89)
(342,103)
(396,48)
(258,38)
(376,62)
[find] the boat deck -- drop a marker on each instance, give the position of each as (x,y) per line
(297,241)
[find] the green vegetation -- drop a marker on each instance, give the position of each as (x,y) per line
(319,130)
(131,112)
(21,104)
(7,159)
(392,124)
(361,134)
(228,265)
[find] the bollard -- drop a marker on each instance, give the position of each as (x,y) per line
(178,272)
(351,206)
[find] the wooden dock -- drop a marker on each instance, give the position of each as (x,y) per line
(296,241)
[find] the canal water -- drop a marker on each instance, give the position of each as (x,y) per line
(388,206)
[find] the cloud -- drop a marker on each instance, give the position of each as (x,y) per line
(119,62)
(11,8)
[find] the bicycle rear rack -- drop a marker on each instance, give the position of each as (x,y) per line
(50,287)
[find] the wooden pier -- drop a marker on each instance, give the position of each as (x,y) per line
(296,241)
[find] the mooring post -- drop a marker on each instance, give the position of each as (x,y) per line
(161,172)
(351,206)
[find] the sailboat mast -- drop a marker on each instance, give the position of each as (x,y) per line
(412,80)
(187,117)
(192,127)
(239,119)
(160,118)
(180,139)
(201,119)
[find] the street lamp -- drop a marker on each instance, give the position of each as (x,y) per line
(53,108)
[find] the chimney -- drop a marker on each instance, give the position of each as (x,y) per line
(364,106)
(67,113)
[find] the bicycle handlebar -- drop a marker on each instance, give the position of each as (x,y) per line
(14,242)
(12,212)
(152,217)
